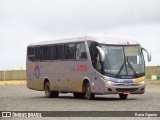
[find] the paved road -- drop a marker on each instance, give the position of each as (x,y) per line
(20,98)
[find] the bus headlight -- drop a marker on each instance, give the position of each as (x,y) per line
(106,78)
(110,82)
(143,82)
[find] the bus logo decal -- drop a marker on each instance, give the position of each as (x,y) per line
(82,68)
(37,72)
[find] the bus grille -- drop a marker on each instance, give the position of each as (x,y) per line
(126,89)
(121,84)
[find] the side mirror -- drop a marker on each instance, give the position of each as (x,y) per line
(102,53)
(148,54)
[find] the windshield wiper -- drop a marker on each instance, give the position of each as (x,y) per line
(120,69)
(132,68)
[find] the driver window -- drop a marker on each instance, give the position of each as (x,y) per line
(81,53)
(95,57)
(98,64)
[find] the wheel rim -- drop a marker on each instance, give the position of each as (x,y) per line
(47,89)
(88,93)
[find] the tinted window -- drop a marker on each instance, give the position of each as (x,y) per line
(60,51)
(57,52)
(93,52)
(81,51)
(47,52)
(69,50)
(38,53)
(31,53)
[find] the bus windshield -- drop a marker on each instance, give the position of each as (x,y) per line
(123,61)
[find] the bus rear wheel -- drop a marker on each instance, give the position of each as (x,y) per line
(89,95)
(48,92)
(123,96)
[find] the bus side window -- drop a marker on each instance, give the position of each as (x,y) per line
(47,52)
(31,53)
(54,51)
(60,52)
(93,53)
(57,52)
(81,53)
(44,51)
(38,53)
(69,51)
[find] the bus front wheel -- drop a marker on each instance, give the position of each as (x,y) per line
(123,96)
(89,95)
(48,92)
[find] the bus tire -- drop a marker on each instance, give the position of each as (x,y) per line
(78,95)
(48,92)
(123,96)
(88,93)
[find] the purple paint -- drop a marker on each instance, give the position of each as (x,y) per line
(118,80)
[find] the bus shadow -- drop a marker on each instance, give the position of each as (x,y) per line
(113,99)
(97,98)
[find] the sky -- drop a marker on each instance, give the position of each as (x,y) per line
(28,21)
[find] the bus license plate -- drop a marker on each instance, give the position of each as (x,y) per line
(127,92)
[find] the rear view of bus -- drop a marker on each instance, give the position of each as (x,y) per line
(112,65)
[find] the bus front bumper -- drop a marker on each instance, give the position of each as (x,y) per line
(125,89)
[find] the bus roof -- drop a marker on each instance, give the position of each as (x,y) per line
(103,39)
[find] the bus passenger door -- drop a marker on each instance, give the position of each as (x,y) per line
(82,64)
